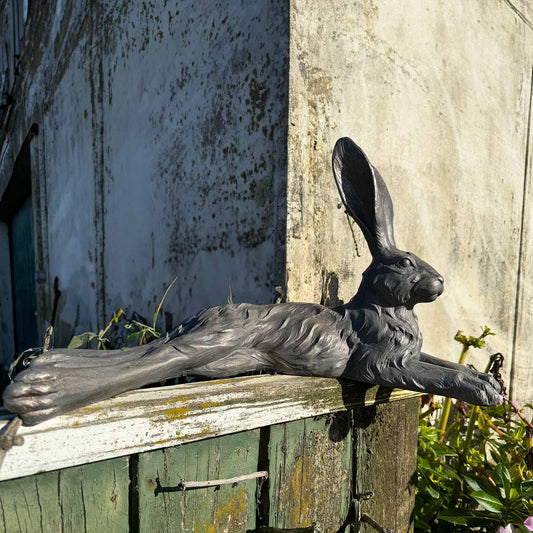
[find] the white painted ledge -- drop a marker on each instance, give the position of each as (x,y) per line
(149,419)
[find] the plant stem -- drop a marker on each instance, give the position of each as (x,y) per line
(468,436)
(491,424)
(448,402)
(462,357)
(470,431)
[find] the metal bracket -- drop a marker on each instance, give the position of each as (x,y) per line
(10,438)
(362,518)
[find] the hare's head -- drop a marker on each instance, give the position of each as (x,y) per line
(394,278)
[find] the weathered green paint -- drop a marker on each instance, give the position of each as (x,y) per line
(385,440)
(314,464)
(86,498)
(162,506)
(310,472)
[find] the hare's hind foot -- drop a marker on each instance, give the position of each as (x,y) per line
(61,381)
(38,394)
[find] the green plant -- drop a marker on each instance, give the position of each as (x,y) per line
(474,471)
(139,332)
(85,339)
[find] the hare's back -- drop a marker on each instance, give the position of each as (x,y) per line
(307,338)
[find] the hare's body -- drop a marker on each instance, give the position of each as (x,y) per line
(373,339)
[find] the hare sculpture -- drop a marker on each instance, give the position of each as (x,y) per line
(373,339)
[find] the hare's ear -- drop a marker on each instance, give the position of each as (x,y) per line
(364,195)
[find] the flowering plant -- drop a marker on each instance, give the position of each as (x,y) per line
(475,470)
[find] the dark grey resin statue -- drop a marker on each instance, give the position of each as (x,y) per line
(373,339)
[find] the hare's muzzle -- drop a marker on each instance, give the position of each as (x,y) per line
(429,288)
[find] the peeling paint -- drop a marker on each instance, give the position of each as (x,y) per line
(176,135)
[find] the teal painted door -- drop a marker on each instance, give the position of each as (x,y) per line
(23,277)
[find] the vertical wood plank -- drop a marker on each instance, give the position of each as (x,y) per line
(310,472)
(83,498)
(385,441)
(162,506)
(21,508)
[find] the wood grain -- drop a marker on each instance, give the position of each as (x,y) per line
(385,444)
(310,465)
(164,506)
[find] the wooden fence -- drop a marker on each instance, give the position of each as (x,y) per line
(119,465)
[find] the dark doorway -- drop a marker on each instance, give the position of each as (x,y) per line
(16,211)
(23,277)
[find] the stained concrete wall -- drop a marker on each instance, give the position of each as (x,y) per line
(439,96)
(202,132)
(161,153)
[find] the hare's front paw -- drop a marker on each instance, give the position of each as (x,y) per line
(481,389)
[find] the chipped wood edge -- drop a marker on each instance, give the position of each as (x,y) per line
(149,419)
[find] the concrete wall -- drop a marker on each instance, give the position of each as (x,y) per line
(194,103)
(439,97)
(161,153)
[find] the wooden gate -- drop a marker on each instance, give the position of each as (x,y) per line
(119,465)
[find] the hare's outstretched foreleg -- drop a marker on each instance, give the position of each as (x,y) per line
(426,358)
(415,375)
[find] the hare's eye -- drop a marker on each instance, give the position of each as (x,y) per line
(405,262)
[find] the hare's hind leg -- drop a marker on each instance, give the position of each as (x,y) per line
(63,380)
(238,361)
(60,381)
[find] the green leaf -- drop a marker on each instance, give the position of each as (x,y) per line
(442,449)
(82,340)
(486,500)
(482,424)
(502,477)
(434,493)
(422,525)
(477,483)
(513,494)
(524,492)
(460,518)
(423,462)
(158,308)
(473,518)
